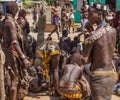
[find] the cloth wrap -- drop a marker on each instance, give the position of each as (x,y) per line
(45,51)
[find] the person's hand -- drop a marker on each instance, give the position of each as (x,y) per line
(26,63)
(89,27)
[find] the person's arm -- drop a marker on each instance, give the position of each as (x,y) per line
(87,52)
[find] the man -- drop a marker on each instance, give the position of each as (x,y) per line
(55,18)
(99,51)
(15,59)
(84,10)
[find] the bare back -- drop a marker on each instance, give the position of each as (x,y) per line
(71,73)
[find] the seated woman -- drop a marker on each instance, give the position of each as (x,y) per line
(73,84)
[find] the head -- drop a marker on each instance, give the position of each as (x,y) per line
(77,39)
(65,33)
(12,8)
(96,13)
(22,13)
(117,14)
(56,3)
(85,2)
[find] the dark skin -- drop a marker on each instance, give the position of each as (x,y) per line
(9,36)
(73,73)
(100,54)
(75,60)
(103,48)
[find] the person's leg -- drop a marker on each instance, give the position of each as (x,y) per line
(57,31)
(52,31)
(55,64)
(13,89)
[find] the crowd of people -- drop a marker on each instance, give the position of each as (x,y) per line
(65,68)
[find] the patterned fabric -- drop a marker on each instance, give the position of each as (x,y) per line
(56,20)
(45,52)
(70,89)
(72,22)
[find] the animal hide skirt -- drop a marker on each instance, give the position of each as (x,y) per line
(102,86)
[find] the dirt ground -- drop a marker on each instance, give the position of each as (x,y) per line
(41,96)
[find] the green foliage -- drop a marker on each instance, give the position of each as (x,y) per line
(50,2)
(27,4)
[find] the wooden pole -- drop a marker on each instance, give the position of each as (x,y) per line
(41,30)
(41,25)
(2,90)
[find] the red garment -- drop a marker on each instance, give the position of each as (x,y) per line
(12,48)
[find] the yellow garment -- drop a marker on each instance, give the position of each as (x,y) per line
(45,55)
(69,95)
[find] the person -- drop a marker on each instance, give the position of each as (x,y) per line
(63,18)
(34,15)
(73,84)
(55,18)
(64,45)
(34,20)
(65,41)
(116,20)
(84,11)
(116,24)
(15,59)
(99,51)
(25,27)
(71,19)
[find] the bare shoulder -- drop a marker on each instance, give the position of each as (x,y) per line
(10,23)
(110,29)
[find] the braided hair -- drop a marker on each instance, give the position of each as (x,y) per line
(22,13)
(12,8)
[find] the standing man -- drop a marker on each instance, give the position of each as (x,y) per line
(55,18)
(99,51)
(15,60)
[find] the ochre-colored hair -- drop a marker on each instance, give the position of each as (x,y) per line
(12,8)
(22,13)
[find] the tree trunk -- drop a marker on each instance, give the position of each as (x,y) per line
(41,29)
(40,36)
(2,91)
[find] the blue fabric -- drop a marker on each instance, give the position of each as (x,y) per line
(116,87)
